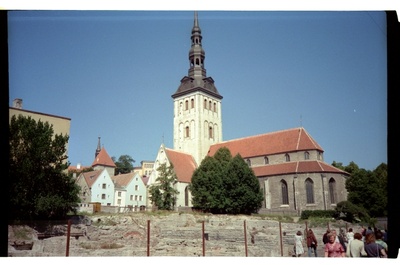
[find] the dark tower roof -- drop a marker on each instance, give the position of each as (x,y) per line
(197,79)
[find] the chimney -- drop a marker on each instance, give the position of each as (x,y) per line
(17,103)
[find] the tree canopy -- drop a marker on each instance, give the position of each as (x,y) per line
(163,193)
(225,184)
(39,185)
(124,164)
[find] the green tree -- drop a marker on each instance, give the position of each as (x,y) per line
(124,164)
(163,193)
(40,187)
(222,184)
(368,189)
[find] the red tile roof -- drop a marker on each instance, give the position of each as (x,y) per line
(296,167)
(91,176)
(290,140)
(103,159)
(122,180)
(184,164)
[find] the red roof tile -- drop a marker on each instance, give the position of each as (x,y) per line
(270,143)
(91,176)
(103,159)
(122,180)
(296,167)
(184,164)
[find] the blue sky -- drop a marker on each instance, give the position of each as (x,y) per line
(113,74)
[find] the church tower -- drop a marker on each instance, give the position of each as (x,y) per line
(197,105)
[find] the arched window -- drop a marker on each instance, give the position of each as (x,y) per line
(287,157)
(186,105)
(197,61)
(205,103)
(210,105)
(215,107)
(332,190)
(210,132)
(285,194)
(306,155)
(187,131)
(187,196)
(310,190)
(266,160)
(248,162)
(192,103)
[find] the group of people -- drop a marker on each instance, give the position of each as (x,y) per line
(366,243)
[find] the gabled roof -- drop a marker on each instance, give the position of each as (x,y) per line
(297,167)
(184,164)
(123,180)
(103,159)
(289,140)
(91,176)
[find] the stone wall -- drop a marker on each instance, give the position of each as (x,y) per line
(177,234)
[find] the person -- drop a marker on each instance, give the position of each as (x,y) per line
(298,244)
(355,248)
(334,249)
(311,243)
(350,235)
(373,249)
(339,239)
(325,236)
(379,240)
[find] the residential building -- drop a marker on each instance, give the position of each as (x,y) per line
(130,191)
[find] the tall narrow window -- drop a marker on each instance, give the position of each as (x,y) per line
(192,103)
(187,196)
(266,160)
(285,195)
(210,105)
(248,162)
(186,105)
(187,131)
(310,190)
(287,157)
(215,107)
(332,190)
(210,132)
(306,155)
(205,103)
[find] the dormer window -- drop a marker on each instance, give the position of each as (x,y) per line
(306,155)
(266,160)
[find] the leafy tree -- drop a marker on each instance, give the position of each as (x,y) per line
(222,184)
(350,212)
(368,189)
(40,187)
(162,193)
(124,164)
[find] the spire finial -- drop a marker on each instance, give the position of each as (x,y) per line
(196,21)
(98,148)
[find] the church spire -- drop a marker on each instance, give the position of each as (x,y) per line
(98,148)
(196,53)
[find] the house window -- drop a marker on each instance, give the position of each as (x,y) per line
(310,191)
(104,185)
(187,196)
(266,160)
(332,190)
(119,201)
(119,194)
(306,155)
(287,157)
(192,103)
(248,162)
(103,196)
(284,189)
(210,132)
(136,187)
(140,198)
(136,197)
(187,131)
(131,197)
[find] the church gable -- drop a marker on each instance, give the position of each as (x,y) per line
(184,165)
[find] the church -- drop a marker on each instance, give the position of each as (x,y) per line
(289,164)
